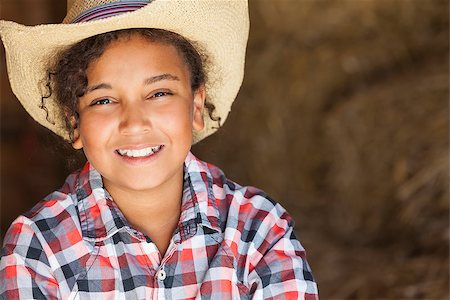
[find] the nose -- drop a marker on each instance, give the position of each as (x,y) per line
(134,120)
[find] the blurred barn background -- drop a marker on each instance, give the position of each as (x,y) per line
(342,117)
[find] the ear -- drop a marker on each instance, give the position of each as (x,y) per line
(76,139)
(198,108)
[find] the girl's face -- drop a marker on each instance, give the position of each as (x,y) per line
(137,116)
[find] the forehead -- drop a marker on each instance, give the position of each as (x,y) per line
(136,45)
(136,51)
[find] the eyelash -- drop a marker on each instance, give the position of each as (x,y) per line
(101,102)
(161,94)
(108,101)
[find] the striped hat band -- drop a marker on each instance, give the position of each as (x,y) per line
(108,10)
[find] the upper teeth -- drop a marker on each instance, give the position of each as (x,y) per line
(140,152)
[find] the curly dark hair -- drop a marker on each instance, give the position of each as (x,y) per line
(68,79)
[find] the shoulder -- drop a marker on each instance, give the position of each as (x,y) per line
(260,234)
(246,214)
(246,201)
(51,219)
(257,217)
(35,246)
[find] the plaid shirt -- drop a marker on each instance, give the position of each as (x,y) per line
(232,242)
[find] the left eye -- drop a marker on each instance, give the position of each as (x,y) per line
(101,102)
(161,94)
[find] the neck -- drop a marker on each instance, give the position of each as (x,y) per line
(155,212)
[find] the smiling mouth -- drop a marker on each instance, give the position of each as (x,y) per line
(139,153)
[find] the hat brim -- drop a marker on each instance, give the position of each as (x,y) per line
(219,27)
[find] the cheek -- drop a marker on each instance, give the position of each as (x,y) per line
(177,118)
(94,130)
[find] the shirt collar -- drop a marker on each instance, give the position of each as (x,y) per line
(100,217)
(198,205)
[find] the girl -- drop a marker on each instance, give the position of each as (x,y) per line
(134,84)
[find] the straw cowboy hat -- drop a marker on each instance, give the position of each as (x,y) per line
(219,26)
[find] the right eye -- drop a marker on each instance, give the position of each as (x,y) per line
(101,102)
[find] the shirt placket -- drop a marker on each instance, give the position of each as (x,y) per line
(155,262)
(161,273)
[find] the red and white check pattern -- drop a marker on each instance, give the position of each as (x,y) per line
(232,242)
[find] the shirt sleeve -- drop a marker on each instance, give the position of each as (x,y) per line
(281,270)
(25,272)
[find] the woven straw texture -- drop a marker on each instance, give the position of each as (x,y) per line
(219,27)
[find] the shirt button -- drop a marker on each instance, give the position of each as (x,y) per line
(162,275)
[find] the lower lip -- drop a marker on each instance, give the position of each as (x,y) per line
(138,161)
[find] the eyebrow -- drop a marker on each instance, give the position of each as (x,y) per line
(161,77)
(97,87)
(147,81)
